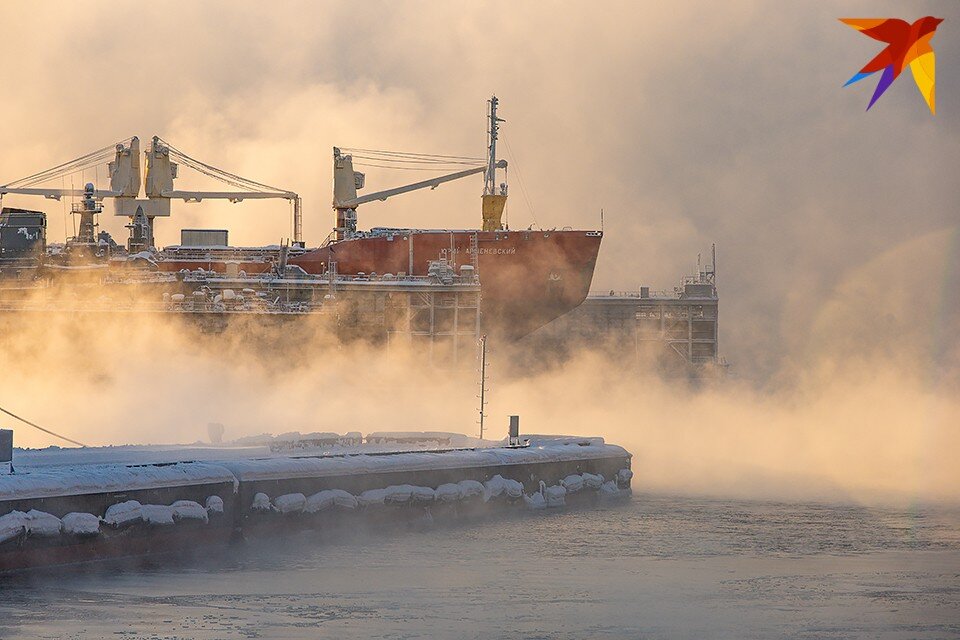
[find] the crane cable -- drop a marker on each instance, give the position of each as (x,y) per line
(86,161)
(420,161)
(219,174)
(36,426)
(523,189)
(409,154)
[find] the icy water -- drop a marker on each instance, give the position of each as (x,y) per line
(656,567)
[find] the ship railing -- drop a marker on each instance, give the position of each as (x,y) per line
(186,307)
(652,294)
(202,276)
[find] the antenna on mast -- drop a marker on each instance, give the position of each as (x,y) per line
(713,260)
(490,180)
(494,201)
(483,380)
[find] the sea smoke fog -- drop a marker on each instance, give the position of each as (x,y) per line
(838,269)
(765,447)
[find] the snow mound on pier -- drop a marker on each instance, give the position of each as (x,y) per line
(470,489)
(290,503)
(592,481)
(449,492)
(214,504)
(189,510)
(81,524)
(424,494)
(323,500)
(399,493)
(555,496)
(157,514)
(372,497)
(498,486)
(261,502)
(123,513)
(609,489)
(45,525)
(12,525)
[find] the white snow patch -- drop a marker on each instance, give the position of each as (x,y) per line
(123,513)
(449,492)
(609,489)
(12,525)
(323,500)
(157,514)
(555,496)
(81,524)
(85,479)
(290,503)
(424,494)
(336,465)
(592,481)
(399,493)
(189,510)
(261,502)
(498,486)
(45,525)
(320,501)
(214,504)
(372,497)
(344,499)
(470,488)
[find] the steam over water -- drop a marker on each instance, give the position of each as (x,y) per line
(658,567)
(839,271)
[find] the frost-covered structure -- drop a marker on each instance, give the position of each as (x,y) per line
(64,514)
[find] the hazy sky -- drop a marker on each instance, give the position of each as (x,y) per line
(688,123)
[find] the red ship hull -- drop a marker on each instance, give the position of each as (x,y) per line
(527,278)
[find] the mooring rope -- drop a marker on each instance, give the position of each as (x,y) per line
(36,426)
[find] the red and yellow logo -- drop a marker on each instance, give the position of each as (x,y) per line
(907,44)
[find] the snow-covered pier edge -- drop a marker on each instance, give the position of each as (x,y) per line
(61,515)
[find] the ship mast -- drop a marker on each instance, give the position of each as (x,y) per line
(493,202)
(490,179)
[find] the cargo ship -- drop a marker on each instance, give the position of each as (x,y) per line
(527,277)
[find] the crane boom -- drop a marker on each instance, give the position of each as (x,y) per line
(56,194)
(433,183)
(233,196)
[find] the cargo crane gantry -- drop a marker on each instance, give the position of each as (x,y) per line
(346,181)
(161,170)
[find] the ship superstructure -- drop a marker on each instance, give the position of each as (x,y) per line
(675,331)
